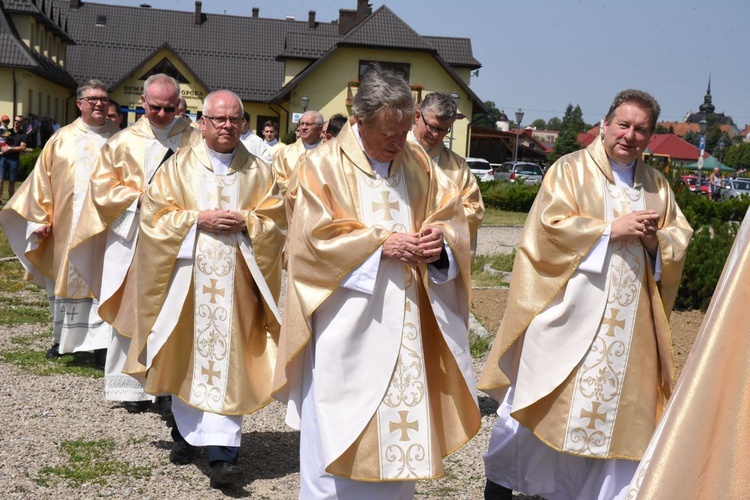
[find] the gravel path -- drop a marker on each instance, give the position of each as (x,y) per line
(40,412)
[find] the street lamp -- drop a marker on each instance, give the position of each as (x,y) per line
(519,119)
(305,102)
(702,125)
(455,98)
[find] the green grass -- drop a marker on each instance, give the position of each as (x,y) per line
(28,352)
(495,217)
(498,262)
(90,462)
(479,345)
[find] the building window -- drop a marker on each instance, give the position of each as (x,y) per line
(165,66)
(398,68)
(101,21)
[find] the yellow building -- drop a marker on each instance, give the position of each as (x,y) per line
(277,66)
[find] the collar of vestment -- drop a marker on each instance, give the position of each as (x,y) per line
(433,153)
(143,127)
(272,143)
(599,155)
(219,161)
(308,147)
(201,151)
(353,149)
(107,129)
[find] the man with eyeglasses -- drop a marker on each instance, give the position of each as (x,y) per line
(373,355)
(40,221)
(433,121)
(205,281)
(14,143)
(310,128)
(107,235)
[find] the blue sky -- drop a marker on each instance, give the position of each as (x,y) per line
(544,54)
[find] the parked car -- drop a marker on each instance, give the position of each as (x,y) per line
(690,181)
(481,168)
(733,188)
(512,171)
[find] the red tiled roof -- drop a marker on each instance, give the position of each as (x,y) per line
(673,147)
(586,138)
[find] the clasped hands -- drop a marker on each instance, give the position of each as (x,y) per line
(641,224)
(221,221)
(424,247)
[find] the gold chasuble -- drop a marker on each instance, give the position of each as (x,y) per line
(393,378)
(590,354)
(53,195)
(284,161)
(699,449)
(207,326)
(456,168)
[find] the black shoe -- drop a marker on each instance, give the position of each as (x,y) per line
(494,491)
(100,358)
(136,406)
(182,453)
(164,403)
(224,474)
(54,351)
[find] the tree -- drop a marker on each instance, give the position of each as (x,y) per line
(488,119)
(573,119)
(539,124)
(566,142)
(737,155)
(554,123)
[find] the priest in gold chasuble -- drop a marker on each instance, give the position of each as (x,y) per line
(374,361)
(205,280)
(40,221)
(582,363)
(103,246)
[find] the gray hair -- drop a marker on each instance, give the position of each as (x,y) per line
(210,97)
(92,84)
(441,104)
(382,90)
(639,98)
(314,115)
(163,79)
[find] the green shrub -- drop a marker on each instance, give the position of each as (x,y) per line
(509,196)
(706,256)
(715,225)
(28,160)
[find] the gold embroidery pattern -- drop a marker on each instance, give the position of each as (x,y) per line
(215,257)
(403,415)
(601,374)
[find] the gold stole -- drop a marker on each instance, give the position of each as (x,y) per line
(213,275)
(601,374)
(403,417)
(89,145)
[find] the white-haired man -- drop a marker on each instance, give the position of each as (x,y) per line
(310,129)
(204,282)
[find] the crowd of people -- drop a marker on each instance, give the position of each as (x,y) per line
(162,247)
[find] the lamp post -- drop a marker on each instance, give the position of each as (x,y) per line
(455,98)
(305,102)
(702,125)
(519,119)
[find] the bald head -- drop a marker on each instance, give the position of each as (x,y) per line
(221,121)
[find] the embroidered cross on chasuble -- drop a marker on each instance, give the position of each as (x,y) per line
(600,377)
(213,274)
(400,437)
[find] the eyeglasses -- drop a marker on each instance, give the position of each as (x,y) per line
(220,121)
(157,109)
(309,124)
(93,100)
(433,128)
